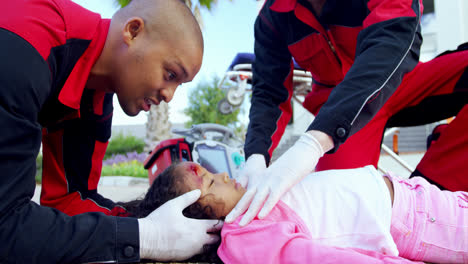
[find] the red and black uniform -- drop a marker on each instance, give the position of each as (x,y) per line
(47,50)
(364,60)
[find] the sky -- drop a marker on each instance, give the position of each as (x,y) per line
(228,30)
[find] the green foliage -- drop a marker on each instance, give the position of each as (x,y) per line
(39,168)
(132,168)
(122,144)
(123,3)
(207,3)
(203,105)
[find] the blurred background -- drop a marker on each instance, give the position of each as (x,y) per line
(228,30)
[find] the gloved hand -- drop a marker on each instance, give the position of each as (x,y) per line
(166,234)
(277,179)
(253,168)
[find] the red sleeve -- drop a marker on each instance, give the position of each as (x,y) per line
(386,10)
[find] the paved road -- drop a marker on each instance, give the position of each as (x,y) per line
(115,188)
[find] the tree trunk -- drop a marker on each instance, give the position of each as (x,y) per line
(158,127)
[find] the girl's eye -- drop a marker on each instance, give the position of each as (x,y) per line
(212,181)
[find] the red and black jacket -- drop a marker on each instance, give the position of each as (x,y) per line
(48,48)
(357,51)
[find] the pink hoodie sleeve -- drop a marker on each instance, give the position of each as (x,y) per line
(265,241)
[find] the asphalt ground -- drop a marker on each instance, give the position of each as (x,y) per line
(118,188)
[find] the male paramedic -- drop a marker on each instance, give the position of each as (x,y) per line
(363,56)
(60,66)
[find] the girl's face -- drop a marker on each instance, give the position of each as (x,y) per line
(218,191)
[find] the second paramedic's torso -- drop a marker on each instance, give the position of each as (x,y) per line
(326,51)
(76,121)
(359,49)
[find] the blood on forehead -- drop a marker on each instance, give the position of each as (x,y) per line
(193,167)
(194,172)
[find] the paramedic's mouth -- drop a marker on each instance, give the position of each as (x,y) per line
(147,104)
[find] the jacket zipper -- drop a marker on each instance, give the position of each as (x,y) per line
(333,49)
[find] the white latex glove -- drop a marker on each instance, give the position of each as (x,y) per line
(166,234)
(277,179)
(253,168)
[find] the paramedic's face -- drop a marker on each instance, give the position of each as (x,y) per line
(150,72)
(218,191)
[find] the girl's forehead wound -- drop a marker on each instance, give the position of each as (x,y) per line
(191,174)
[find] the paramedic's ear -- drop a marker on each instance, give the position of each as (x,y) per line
(132,29)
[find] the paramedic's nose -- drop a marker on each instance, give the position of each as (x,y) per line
(167,93)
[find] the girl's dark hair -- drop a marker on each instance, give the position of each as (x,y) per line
(167,186)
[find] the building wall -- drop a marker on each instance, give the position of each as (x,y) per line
(452,23)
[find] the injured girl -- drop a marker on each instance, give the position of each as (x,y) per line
(335,216)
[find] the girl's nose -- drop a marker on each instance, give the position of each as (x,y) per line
(226,177)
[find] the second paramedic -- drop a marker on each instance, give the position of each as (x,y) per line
(364,60)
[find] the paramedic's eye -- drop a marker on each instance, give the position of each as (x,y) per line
(171,75)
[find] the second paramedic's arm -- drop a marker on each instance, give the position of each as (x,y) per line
(387,48)
(269,114)
(270,109)
(73,159)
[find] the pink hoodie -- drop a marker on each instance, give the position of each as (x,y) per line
(282,237)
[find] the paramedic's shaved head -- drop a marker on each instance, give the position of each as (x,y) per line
(152,47)
(164,19)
